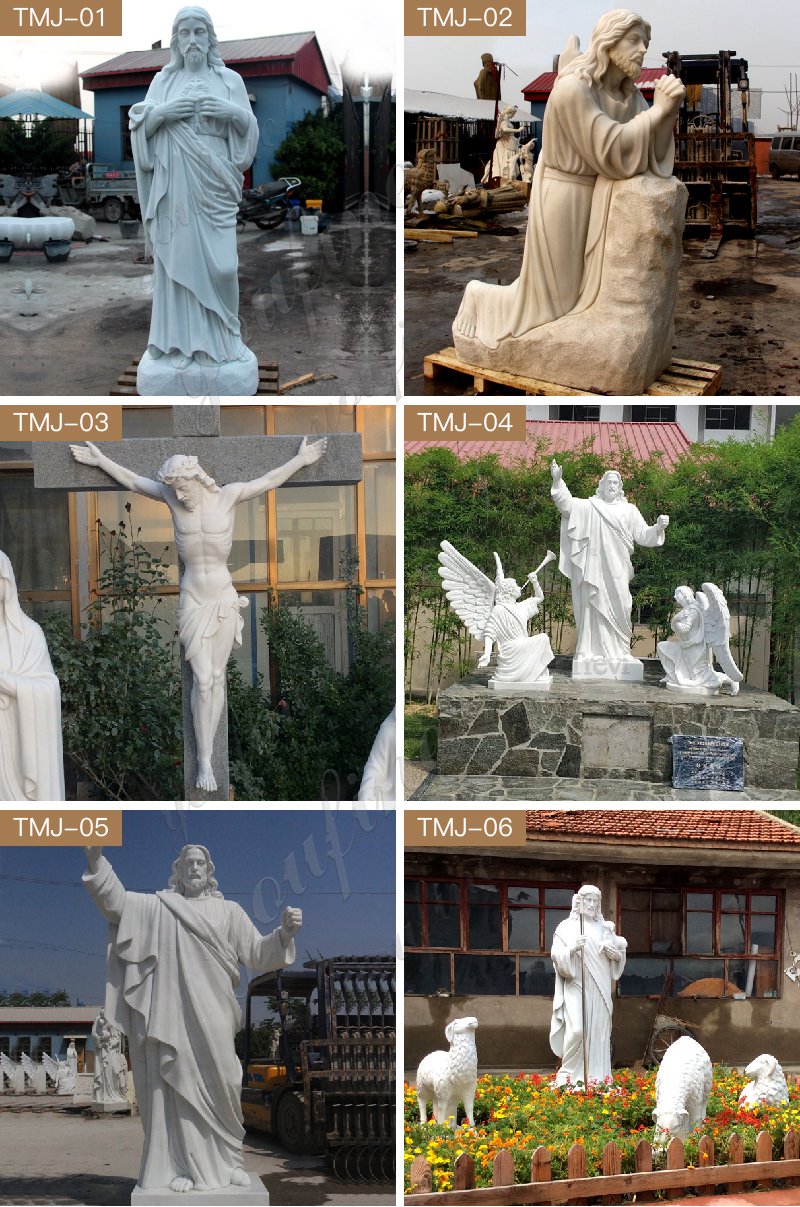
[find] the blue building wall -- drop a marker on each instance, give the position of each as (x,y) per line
(279,103)
(37,1034)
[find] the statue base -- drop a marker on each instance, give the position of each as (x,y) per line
(157,377)
(694,691)
(623,341)
(534,685)
(254,1195)
(592,730)
(626,670)
(110,1108)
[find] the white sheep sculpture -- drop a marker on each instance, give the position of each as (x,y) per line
(448,1078)
(768,1084)
(683,1085)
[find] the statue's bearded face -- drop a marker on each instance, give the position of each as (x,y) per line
(590,905)
(194,873)
(188,492)
(610,488)
(628,54)
(193,40)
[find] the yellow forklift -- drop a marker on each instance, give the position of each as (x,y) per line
(330,1086)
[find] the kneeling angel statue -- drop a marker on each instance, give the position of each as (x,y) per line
(702,626)
(494,614)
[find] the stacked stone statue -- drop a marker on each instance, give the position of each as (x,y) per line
(192,136)
(594,305)
(589,958)
(173,971)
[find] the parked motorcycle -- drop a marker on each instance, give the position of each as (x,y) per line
(269,204)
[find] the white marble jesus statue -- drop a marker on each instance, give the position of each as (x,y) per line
(173,969)
(598,536)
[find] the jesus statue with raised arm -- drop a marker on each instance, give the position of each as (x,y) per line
(209,607)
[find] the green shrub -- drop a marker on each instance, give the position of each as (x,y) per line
(314,151)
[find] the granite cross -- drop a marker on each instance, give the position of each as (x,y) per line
(202,511)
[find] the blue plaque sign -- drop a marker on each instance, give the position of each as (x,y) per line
(707,763)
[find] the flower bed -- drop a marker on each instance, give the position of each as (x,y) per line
(520,1113)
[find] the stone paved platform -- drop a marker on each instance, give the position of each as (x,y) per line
(527,788)
(596,729)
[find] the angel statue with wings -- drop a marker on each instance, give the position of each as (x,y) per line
(702,626)
(494,613)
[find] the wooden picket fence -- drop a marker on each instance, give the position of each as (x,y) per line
(610,1186)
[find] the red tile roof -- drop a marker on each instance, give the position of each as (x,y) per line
(677,827)
(547,436)
(540,88)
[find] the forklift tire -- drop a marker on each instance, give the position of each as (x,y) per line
(113,209)
(290,1122)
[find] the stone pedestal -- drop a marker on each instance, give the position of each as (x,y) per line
(83,1090)
(158,377)
(111,1108)
(595,729)
(623,341)
(229,1196)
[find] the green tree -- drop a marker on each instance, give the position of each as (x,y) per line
(40,149)
(314,150)
(57,997)
(122,714)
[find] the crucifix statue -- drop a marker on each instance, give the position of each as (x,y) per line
(202,505)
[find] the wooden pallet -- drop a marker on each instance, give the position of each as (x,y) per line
(683,377)
(126,382)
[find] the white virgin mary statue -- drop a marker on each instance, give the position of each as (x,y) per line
(193,135)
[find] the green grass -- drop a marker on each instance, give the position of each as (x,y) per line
(420,731)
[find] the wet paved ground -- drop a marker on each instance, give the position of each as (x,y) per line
(56,1156)
(323,304)
(737,310)
(526,788)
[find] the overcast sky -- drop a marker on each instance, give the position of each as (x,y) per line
(52,935)
(766,34)
(354,28)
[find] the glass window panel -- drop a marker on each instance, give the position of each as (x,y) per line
(634,898)
(326,612)
(699,900)
(636,929)
(699,933)
(413,890)
(493,975)
(485,928)
(427,972)
(248,557)
(242,420)
(252,656)
(380,510)
(442,890)
(766,979)
(316,529)
(700,977)
(522,895)
(666,923)
(734,902)
(643,977)
(149,522)
(536,976)
(381,609)
(764,903)
(523,929)
(142,422)
(38,609)
(739,975)
(666,901)
(483,894)
(444,926)
(313,420)
(34,532)
(379,429)
(732,932)
(551,921)
(559,896)
(762,932)
(412,936)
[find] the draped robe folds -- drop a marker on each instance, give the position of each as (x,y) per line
(688,661)
(597,540)
(567,1030)
(589,141)
(31,759)
(520,658)
(189,177)
(173,966)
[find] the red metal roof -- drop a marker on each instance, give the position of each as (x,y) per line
(674,827)
(540,88)
(547,436)
(295,54)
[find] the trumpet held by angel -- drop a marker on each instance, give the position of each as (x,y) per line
(494,613)
(702,628)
